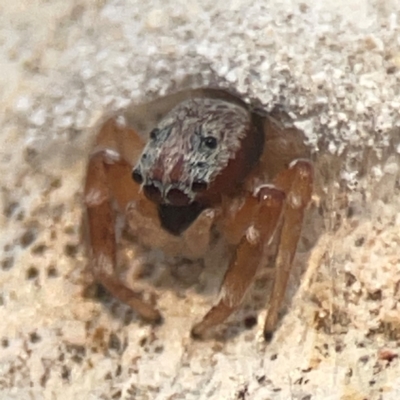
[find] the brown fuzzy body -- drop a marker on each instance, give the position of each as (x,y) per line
(209,162)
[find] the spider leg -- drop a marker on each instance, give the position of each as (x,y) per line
(263,213)
(297,182)
(108,182)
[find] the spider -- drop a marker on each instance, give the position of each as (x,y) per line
(211,163)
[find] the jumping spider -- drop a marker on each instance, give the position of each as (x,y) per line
(211,162)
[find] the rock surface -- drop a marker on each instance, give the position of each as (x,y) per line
(334,66)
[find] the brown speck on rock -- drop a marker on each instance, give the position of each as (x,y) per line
(7,263)
(20,216)
(117,395)
(359,242)
(261,379)
(69,230)
(32,273)
(114,342)
(303,8)
(10,208)
(100,342)
(34,337)
(71,250)
(159,349)
(39,249)
(250,321)
(375,296)
(52,272)
(77,359)
(338,347)
(129,316)
(56,183)
(242,393)
(391,70)
(387,355)
(78,352)
(65,373)
(27,238)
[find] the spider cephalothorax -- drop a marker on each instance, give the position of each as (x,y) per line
(191,148)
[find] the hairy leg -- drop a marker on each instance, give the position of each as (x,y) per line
(297,182)
(108,182)
(263,213)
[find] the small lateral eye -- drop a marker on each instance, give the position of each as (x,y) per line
(137,176)
(154,133)
(210,142)
(201,164)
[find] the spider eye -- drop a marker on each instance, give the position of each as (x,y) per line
(199,186)
(137,176)
(154,133)
(210,142)
(201,164)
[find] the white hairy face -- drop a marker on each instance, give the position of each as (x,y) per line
(189,148)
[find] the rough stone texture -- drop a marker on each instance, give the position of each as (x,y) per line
(334,66)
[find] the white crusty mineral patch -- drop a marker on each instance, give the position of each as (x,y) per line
(333,66)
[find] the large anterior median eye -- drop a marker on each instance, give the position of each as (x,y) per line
(199,186)
(210,142)
(137,176)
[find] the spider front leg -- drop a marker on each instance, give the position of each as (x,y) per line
(263,214)
(297,183)
(108,181)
